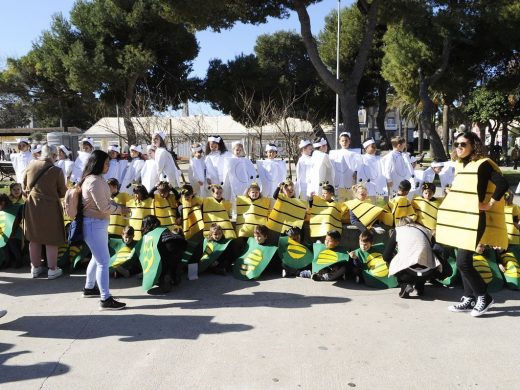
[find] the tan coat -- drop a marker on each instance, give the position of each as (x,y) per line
(43,214)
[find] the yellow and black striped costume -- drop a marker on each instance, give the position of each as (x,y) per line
(214,211)
(117,222)
(287,213)
(251,213)
(512,211)
(139,210)
(165,210)
(192,222)
(458,216)
(325,216)
(365,211)
(426,211)
(397,208)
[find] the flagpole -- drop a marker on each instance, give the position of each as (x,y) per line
(337,74)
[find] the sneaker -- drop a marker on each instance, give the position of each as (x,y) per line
(111,304)
(284,273)
(54,273)
(2,312)
(484,302)
(406,289)
(91,292)
(37,271)
(379,230)
(420,289)
(466,304)
(316,277)
(305,274)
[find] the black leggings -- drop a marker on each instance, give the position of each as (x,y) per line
(472,282)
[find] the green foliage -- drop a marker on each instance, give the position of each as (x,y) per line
(13,112)
(486,105)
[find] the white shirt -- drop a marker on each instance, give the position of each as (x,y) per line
(20,162)
(215,166)
(149,176)
(370,173)
(303,167)
(321,171)
(271,174)
(166,169)
(79,166)
(345,164)
(396,168)
(239,173)
(66,167)
(133,174)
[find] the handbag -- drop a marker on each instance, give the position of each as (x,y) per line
(75,229)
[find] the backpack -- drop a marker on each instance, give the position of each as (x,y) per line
(72,202)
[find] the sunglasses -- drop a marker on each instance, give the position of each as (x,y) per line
(460,144)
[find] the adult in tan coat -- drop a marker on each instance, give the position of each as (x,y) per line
(44,186)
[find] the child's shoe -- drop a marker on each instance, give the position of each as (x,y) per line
(37,271)
(54,273)
(305,274)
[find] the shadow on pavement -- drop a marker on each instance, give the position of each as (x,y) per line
(15,373)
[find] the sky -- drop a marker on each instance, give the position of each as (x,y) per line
(22,21)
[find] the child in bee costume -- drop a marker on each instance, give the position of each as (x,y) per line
(215,254)
(330,260)
(303,167)
(294,254)
(322,170)
(399,207)
(415,263)
(345,163)
(288,211)
(370,171)
(363,214)
(165,204)
(160,255)
(257,257)
(325,213)
(124,254)
(510,259)
(252,210)
(191,212)
(427,206)
(215,209)
(369,267)
(117,221)
(197,170)
(140,206)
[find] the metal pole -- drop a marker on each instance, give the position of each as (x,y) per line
(337,74)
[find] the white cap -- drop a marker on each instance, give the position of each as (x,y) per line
(235,143)
(270,147)
(36,148)
(214,138)
(25,140)
(303,143)
(64,149)
(345,133)
(368,142)
(114,148)
(137,148)
(196,148)
(437,164)
(88,140)
(149,148)
(320,143)
(161,134)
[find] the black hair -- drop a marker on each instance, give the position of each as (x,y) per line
(95,164)
(129,230)
(429,186)
(329,188)
(335,235)
(141,190)
(366,236)
(294,231)
(405,185)
(4,200)
(261,229)
(150,222)
(187,190)
(221,145)
(114,183)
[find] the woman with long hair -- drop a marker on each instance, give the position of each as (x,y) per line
(472,216)
(97,207)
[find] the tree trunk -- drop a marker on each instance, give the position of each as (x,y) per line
(131,135)
(381,112)
(505,135)
(349,112)
(445,126)
(420,138)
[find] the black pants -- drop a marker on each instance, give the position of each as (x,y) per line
(171,258)
(472,282)
(407,276)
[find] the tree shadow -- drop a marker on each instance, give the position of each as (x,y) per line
(128,327)
(508,311)
(15,373)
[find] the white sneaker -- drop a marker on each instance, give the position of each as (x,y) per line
(37,271)
(54,273)
(379,230)
(2,312)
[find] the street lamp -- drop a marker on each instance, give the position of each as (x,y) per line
(337,74)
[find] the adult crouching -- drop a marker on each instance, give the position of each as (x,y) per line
(44,185)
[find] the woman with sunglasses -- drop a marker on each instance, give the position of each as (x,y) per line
(471,216)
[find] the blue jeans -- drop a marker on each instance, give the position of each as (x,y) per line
(95,233)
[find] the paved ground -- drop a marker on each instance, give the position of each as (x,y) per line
(276,333)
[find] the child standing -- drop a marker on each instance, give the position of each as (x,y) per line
(117,221)
(252,210)
(140,207)
(325,213)
(399,207)
(191,212)
(363,214)
(165,199)
(216,209)
(197,169)
(426,207)
(15,193)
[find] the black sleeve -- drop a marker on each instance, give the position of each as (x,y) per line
(486,173)
(152,192)
(176,194)
(388,254)
(276,192)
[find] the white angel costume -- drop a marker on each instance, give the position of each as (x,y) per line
(303,168)
(345,164)
(271,174)
(321,172)
(396,168)
(370,173)
(20,162)
(239,173)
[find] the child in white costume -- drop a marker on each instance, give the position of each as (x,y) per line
(239,172)
(166,168)
(21,159)
(396,166)
(197,170)
(303,167)
(216,153)
(322,170)
(64,162)
(149,176)
(370,171)
(271,171)
(133,172)
(87,146)
(116,166)
(345,164)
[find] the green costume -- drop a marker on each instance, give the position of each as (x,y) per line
(294,254)
(375,269)
(251,264)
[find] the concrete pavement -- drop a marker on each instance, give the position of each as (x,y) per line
(221,333)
